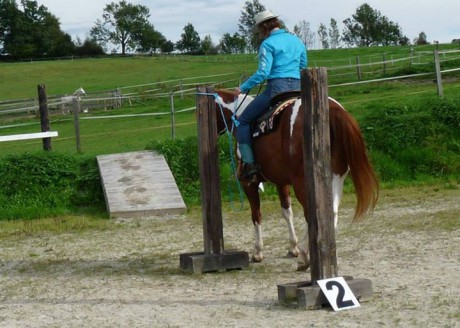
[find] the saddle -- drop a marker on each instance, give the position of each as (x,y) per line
(268,122)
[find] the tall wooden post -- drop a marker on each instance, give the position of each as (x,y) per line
(44,117)
(318,186)
(318,177)
(214,257)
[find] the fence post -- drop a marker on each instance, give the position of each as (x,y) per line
(437,67)
(384,64)
(44,118)
(76,122)
(358,67)
(173,121)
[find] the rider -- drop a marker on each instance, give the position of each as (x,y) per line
(281,57)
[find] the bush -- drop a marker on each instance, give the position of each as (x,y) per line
(182,158)
(46,184)
(420,139)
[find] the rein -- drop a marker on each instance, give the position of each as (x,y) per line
(230,143)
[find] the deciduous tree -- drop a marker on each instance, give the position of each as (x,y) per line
(123,24)
(232,44)
(246,24)
(190,40)
(334,34)
(323,38)
(31,31)
(368,27)
(304,32)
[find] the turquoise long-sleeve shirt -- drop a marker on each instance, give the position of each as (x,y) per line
(281,55)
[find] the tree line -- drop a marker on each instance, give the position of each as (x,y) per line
(29,30)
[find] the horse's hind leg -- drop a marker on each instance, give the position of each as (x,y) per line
(286,211)
(337,188)
(252,193)
(299,189)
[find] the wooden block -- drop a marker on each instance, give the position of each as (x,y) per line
(311,297)
(288,292)
(199,262)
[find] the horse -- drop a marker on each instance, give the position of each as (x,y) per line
(66,102)
(279,155)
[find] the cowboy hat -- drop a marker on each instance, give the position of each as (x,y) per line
(263,16)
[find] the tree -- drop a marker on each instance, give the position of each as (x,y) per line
(89,48)
(247,22)
(207,47)
(368,27)
(304,32)
(323,38)
(190,40)
(150,40)
(232,44)
(334,34)
(421,39)
(31,32)
(123,24)
(167,47)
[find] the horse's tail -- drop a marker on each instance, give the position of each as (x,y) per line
(346,135)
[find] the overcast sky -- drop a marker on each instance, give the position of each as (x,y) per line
(438,19)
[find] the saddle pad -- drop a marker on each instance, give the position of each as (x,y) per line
(268,122)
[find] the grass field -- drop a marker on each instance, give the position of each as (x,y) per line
(102,136)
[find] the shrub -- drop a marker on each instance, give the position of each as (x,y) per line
(422,139)
(47,184)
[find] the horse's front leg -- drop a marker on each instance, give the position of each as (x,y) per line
(252,193)
(299,189)
(286,211)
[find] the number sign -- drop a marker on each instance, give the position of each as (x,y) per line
(338,293)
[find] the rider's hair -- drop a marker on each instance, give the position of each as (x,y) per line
(268,25)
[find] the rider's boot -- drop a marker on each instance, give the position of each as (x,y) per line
(249,168)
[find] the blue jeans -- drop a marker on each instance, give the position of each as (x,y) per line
(260,105)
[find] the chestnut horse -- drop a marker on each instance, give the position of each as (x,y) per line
(279,155)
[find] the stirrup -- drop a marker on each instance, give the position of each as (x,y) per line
(248,172)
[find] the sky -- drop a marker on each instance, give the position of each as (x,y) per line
(437,19)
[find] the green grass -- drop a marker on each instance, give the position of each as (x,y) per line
(124,134)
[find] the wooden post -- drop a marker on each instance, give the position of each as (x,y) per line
(358,68)
(384,58)
(437,67)
(76,122)
(209,173)
(214,257)
(173,122)
(318,185)
(317,155)
(44,118)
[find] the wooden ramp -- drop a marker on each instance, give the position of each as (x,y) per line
(139,184)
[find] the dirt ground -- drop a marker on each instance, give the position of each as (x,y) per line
(128,274)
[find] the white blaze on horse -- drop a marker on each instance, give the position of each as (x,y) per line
(279,154)
(66,101)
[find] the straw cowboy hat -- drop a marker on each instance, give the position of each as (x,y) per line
(263,16)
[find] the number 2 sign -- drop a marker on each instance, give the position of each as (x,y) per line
(338,293)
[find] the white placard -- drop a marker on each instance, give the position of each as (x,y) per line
(338,293)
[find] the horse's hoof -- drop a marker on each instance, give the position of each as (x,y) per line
(302,266)
(257,259)
(291,254)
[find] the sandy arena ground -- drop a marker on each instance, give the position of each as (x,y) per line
(128,274)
